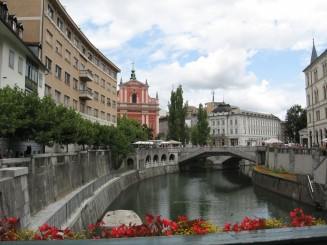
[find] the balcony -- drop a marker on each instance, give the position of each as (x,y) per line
(86,75)
(31,85)
(85,95)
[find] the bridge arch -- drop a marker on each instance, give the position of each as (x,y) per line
(172,158)
(163,158)
(148,160)
(155,159)
(130,162)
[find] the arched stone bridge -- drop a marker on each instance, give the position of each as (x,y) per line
(150,157)
(248,153)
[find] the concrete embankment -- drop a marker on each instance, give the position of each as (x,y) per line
(296,190)
(91,209)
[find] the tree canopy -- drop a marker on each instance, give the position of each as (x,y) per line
(24,116)
(296,119)
(176,117)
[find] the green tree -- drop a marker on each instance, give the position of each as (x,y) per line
(296,119)
(85,132)
(176,117)
(194,135)
(66,131)
(148,131)
(203,129)
(45,122)
(132,129)
(18,114)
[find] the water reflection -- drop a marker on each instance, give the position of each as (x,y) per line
(219,196)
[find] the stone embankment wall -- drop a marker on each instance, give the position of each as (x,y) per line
(296,190)
(52,176)
(94,207)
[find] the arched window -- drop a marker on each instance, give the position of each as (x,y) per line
(134,98)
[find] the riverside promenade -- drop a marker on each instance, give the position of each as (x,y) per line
(300,235)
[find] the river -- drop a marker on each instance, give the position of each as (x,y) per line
(215,195)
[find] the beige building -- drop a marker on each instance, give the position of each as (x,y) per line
(80,76)
(316,93)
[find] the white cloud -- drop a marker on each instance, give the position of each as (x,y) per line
(225,35)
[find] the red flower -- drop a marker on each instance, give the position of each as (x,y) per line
(91,227)
(182,218)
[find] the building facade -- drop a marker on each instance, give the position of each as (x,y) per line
(316,97)
(79,76)
(19,66)
(134,102)
(232,126)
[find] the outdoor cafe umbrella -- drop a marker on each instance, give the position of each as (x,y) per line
(273,141)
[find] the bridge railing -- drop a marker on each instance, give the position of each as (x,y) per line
(296,150)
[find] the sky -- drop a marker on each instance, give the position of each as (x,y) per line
(248,53)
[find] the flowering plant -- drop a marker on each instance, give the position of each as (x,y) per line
(153,226)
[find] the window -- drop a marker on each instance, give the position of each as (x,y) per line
(74,104)
(113,118)
(32,72)
(103,66)
(235,121)
(103,99)
(89,111)
(114,104)
(96,78)
(20,65)
(67,56)
(40,80)
(67,78)
(308,100)
(316,96)
(11,59)
(89,56)
(231,122)
(58,47)
(66,101)
(75,84)
(108,102)
(76,42)
(57,97)
(231,131)
(49,37)
(318,115)
(108,117)
(103,83)
(82,67)
(108,86)
(315,76)
(102,115)
(134,98)
(68,33)
(50,12)
(59,23)
(83,50)
(48,63)
(97,61)
(236,131)
(58,72)
(75,63)
(47,90)
(96,96)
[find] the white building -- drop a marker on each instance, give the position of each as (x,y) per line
(316,93)
(232,126)
(19,66)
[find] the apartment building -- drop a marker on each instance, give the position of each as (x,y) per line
(316,93)
(19,65)
(79,76)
